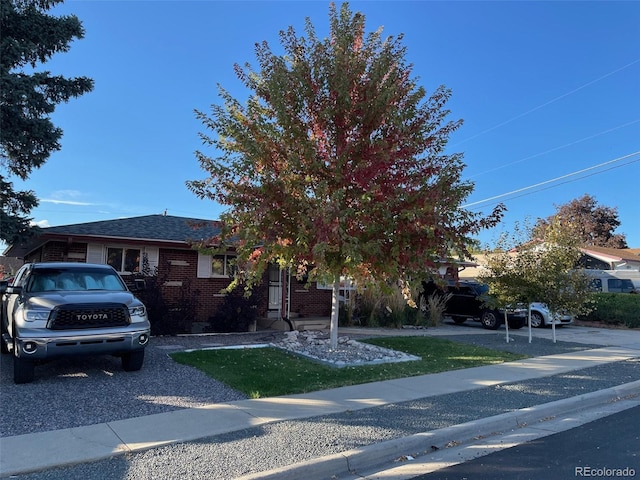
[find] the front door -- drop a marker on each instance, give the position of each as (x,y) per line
(275,289)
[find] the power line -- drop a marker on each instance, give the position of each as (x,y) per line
(575,142)
(575,179)
(546,182)
(549,102)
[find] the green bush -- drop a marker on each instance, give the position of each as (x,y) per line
(169,316)
(615,309)
(235,314)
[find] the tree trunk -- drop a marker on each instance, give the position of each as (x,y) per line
(335,307)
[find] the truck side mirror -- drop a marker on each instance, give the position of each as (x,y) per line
(15,290)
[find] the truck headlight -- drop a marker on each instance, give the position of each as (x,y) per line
(137,311)
(35,315)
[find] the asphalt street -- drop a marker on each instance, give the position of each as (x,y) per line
(605,448)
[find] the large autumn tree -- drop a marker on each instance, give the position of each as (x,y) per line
(29,37)
(336,164)
(594,224)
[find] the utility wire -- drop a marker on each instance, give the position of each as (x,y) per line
(553,100)
(557,148)
(624,157)
(575,179)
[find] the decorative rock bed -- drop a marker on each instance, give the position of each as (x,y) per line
(316,346)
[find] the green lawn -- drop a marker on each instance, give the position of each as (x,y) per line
(268,372)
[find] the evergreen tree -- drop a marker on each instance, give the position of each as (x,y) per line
(28,38)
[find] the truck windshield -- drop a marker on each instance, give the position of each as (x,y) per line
(56,279)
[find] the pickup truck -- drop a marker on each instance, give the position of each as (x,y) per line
(62,309)
(468,300)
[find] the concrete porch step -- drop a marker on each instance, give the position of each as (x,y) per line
(298,323)
(311,323)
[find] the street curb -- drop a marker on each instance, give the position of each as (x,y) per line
(368,457)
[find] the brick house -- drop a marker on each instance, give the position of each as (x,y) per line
(159,247)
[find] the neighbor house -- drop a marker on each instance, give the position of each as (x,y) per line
(623,262)
(160,246)
(601,258)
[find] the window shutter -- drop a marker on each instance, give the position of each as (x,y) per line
(95,253)
(153,256)
(204,265)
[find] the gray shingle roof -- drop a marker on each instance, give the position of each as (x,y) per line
(149,227)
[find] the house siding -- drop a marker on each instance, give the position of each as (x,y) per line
(177,269)
(309,301)
(177,274)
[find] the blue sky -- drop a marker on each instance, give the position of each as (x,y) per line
(549,94)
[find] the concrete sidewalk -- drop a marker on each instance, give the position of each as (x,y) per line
(606,337)
(40,451)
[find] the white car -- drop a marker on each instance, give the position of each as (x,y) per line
(542,317)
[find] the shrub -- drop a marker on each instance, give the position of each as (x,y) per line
(236,313)
(361,312)
(169,316)
(433,310)
(615,309)
(381,308)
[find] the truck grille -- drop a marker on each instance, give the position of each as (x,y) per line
(67,317)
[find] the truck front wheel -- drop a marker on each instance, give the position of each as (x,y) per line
(23,370)
(490,319)
(132,361)
(4,346)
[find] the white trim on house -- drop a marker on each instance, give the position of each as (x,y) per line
(616,259)
(95,253)
(204,265)
(153,256)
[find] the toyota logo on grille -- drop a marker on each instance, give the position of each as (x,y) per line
(92,316)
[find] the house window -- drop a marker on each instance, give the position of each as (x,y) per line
(221,266)
(218,266)
(124,259)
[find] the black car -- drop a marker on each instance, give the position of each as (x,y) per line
(468,300)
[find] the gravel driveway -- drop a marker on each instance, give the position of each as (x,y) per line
(80,391)
(71,392)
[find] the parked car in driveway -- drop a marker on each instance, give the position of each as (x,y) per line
(467,301)
(63,309)
(541,316)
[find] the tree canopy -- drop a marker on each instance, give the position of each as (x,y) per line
(522,270)
(594,224)
(28,98)
(336,164)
